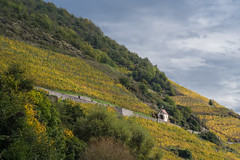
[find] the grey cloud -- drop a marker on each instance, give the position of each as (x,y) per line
(196,43)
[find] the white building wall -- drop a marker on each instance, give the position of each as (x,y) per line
(165,117)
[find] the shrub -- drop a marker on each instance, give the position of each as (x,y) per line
(210,137)
(124,81)
(100,123)
(183,153)
(107,148)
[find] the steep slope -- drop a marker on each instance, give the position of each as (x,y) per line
(169,137)
(220,120)
(45,25)
(62,52)
(62,72)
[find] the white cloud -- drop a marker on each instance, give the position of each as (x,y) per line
(212,43)
(187,63)
(195,42)
(200,40)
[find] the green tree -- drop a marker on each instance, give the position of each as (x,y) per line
(210,102)
(210,137)
(100,123)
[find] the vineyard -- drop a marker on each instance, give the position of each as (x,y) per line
(62,72)
(216,117)
(167,136)
(45,49)
(228,128)
(187,97)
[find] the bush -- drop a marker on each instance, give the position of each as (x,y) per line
(100,123)
(210,102)
(107,148)
(183,153)
(124,81)
(210,137)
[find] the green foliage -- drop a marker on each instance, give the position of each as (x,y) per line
(75,148)
(143,87)
(13,79)
(35,133)
(210,102)
(70,113)
(58,30)
(210,137)
(181,115)
(183,153)
(19,139)
(169,101)
(156,87)
(100,123)
(124,81)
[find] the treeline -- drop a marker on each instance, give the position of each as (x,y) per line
(36,126)
(50,27)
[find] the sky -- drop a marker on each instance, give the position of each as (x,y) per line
(196,43)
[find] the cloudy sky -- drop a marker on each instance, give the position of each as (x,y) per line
(196,43)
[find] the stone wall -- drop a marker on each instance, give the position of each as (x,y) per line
(121,111)
(124,112)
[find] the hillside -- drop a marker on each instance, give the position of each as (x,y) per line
(220,120)
(45,46)
(60,72)
(46,26)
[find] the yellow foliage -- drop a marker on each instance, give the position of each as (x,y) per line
(39,128)
(190,98)
(61,72)
(68,133)
(167,136)
(228,128)
(235,146)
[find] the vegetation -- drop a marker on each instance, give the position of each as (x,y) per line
(227,128)
(23,136)
(65,130)
(168,136)
(62,72)
(183,153)
(71,74)
(218,119)
(72,55)
(60,31)
(107,148)
(33,127)
(210,137)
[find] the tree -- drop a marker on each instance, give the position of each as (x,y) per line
(124,81)
(100,123)
(19,129)
(210,102)
(210,137)
(14,79)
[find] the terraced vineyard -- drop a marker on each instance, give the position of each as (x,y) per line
(168,136)
(217,118)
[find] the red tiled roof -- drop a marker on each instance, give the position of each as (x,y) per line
(164,111)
